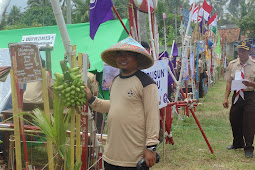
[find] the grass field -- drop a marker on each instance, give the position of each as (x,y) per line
(190,150)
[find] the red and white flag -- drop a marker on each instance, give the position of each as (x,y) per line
(205,10)
(195,13)
(212,23)
(213,20)
(144,5)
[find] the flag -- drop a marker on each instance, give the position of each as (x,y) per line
(225,61)
(210,43)
(185,17)
(200,47)
(202,28)
(192,65)
(207,55)
(195,13)
(144,5)
(212,23)
(218,48)
(173,60)
(164,55)
(205,10)
(100,12)
(175,50)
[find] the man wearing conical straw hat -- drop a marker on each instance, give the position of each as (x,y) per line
(133,108)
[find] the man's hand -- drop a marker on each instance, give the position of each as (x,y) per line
(150,157)
(225,103)
(88,92)
(248,83)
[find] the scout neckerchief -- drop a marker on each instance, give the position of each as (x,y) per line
(240,92)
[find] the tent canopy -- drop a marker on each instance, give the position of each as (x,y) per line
(108,34)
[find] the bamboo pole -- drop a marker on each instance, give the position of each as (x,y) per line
(78,123)
(73,112)
(164,18)
(62,29)
(16,122)
(151,36)
(118,16)
(47,114)
(186,42)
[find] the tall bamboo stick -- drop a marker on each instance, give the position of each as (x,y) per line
(16,122)
(62,29)
(151,36)
(73,112)
(47,113)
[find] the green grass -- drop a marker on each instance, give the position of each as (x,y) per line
(190,150)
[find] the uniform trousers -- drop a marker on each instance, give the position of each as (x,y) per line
(242,119)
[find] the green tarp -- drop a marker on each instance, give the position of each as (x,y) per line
(108,34)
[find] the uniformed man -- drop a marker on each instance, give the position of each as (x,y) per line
(242,114)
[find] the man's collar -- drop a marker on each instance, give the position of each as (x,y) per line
(247,62)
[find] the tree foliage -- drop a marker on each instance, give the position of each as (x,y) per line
(39,13)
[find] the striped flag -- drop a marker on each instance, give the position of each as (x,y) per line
(195,13)
(212,23)
(205,10)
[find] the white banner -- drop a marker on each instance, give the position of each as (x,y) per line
(159,73)
(5,87)
(42,39)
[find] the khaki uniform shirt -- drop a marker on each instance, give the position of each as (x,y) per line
(133,118)
(33,92)
(249,71)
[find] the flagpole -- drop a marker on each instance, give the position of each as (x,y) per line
(186,43)
(196,50)
(151,36)
(164,17)
(117,14)
(62,29)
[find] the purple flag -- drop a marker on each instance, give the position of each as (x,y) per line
(202,27)
(164,55)
(173,60)
(175,50)
(100,12)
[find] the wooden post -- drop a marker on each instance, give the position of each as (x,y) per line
(11,151)
(16,122)
(164,139)
(47,113)
(47,50)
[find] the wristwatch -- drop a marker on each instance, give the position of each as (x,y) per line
(152,148)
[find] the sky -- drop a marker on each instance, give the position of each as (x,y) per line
(18,3)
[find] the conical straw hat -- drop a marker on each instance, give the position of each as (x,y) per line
(145,60)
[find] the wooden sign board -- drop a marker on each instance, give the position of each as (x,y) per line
(26,62)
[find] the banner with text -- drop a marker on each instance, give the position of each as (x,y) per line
(159,73)
(42,39)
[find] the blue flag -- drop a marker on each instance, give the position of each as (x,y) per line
(100,12)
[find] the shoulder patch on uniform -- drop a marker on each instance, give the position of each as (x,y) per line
(233,61)
(144,78)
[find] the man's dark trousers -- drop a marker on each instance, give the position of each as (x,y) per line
(242,118)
